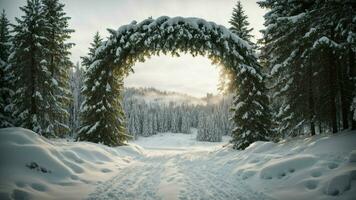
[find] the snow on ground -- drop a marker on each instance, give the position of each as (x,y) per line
(33,167)
(178,141)
(175,166)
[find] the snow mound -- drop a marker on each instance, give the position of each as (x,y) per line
(340,182)
(279,168)
(259,146)
(319,167)
(33,167)
(353,156)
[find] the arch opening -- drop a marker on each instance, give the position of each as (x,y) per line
(194,76)
(136,42)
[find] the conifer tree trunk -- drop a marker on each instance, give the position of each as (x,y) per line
(311,102)
(332,95)
(353,125)
(344,86)
(345,104)
(33,104)
(353,76)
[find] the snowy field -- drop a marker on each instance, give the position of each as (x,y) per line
(179,142)
(175,166)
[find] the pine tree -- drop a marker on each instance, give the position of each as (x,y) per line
(4,37)
(76,82)
(239,23)
(155,123)
(251,104)
(132,124)
(185,120)
(284,82)
(5,88)
(28,64)
(103,119)
(308,50)
(58,64)
(145,124)
(202,133)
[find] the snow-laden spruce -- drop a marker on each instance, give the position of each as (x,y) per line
(309,49)
(38,68)
(114,58)
(5,86)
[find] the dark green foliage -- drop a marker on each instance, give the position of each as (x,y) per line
(5,85)
(309,50)
(250,106)
(251,112)
(39,66)
(58,64)
(4,37)
(239,23)
(102,113)
(29,67)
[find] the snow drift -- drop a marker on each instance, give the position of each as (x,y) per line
(320,167)
(33,167)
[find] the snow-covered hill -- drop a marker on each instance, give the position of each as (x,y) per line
(154,96)
(32,167)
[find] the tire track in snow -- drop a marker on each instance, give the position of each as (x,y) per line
(177,175)
(138,180)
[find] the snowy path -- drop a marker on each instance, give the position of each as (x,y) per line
(173,174)
(175,166)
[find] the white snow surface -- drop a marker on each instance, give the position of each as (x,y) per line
(175,166)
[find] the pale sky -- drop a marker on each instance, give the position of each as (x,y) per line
(194,76)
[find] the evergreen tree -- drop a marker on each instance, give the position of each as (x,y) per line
(308,50)
(76,80)
(155,123)
(202,134)
(4,37)
(239,23)
(250,105)
(132,124)
(58,64)
(177,115)
(186,121)
(102,114)
(5,85)
(284,82)
(251,112)
(88,60)
(145,124)
(29,66)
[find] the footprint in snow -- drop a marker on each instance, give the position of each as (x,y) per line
(20,194)
(311,184)
(316,174)
(105,170)
(170,179)
(333,165)
(20,185)
(39,187)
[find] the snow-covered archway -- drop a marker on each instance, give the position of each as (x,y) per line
(114,59)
